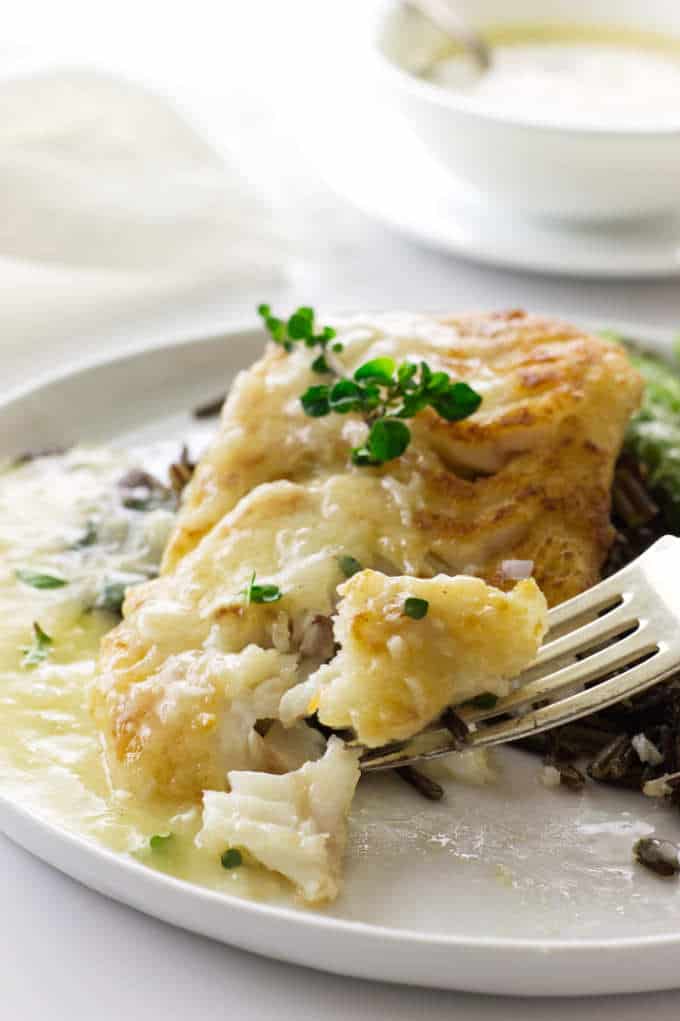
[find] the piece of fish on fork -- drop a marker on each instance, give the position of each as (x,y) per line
(607,644)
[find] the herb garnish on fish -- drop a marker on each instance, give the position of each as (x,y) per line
(261,593)
(232,858)
(160,841)
(381,391)
(416,608)
(349,565)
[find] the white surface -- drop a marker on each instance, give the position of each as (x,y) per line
(544,164)
(110,201)
(465,894)
(69,953)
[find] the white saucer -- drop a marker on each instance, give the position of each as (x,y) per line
(370,157)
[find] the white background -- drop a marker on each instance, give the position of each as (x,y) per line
(239,69)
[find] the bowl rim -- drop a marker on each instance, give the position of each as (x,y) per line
(467,106)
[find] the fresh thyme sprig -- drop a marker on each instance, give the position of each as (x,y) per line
(299,328)
(381,391)
(385,394)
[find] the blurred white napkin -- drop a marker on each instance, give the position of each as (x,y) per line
(111,205)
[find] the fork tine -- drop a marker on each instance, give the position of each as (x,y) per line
(597,597)
(426,745)
(593,633)
(645,593)
(566,710)
(614,657)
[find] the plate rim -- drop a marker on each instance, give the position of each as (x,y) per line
(42,837)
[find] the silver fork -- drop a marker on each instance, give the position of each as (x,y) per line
(608,644)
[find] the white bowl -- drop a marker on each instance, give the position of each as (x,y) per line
(540,166)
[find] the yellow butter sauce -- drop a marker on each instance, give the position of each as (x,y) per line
(62,517)
(579,74)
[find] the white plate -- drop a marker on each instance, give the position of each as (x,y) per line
(505,889)
(370,156)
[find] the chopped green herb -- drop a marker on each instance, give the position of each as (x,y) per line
(265,594)
(39,649)
(349,565)
(37,580)
(487,700)
(416,608)
(160,841)
(261,593)
(232,858)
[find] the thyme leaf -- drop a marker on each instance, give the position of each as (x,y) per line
(39,649)
(38,580)
(260,593)
(416,608)
(349,565)
(300,328)
(381,391)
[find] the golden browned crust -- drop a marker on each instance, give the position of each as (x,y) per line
(527,477)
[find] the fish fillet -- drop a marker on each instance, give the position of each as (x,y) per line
(527,477)
(191,669)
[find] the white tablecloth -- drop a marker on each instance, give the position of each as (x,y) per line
(67,952)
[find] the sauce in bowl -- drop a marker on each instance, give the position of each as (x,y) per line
(596,77)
